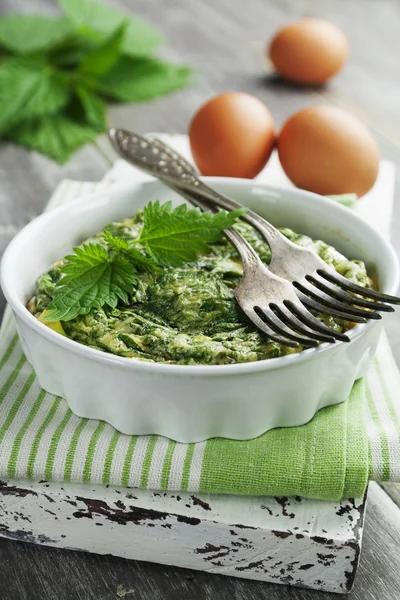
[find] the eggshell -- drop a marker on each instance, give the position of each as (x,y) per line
(309,51)
(232,135)
(326,150)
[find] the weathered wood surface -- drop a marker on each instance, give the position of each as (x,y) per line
(283,540)
(32,572)
(224,40)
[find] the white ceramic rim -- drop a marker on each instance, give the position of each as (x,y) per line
(172,369)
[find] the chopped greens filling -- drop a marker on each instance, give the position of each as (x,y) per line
(184,314)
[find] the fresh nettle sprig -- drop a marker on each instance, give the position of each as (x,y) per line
(57,74)
(102,274)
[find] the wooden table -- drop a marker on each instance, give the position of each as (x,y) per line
(224,41)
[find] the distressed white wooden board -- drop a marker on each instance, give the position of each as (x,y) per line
(281,540)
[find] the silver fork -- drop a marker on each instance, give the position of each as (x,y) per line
(318,285)
(268,300)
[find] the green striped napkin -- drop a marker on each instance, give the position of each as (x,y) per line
(331,457)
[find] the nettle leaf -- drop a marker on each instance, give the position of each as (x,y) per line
(176,236)
(84,258)
(116,243)
(125,248)
(92,17)
(57,136)
(94,108)
(50,95)
(71,54)
(101,59)
(92,279)
(26,34)
(142,78)
(30,87)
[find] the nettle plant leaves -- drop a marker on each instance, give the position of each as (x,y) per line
(57,74)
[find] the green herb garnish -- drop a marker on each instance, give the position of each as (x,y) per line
(57,74)
(174,237)
(92,278)
(98,275)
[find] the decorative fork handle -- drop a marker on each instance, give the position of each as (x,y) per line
(163,162)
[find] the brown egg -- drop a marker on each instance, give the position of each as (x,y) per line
(309,51)
(326,150)
(232,135)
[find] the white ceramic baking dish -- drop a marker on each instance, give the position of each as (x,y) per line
(193,403)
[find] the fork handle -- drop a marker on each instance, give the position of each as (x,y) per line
(160,160)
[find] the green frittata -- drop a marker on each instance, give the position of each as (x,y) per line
(185,315)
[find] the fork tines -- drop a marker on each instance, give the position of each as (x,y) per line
(344,283)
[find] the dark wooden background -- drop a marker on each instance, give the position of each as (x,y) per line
(224,41)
